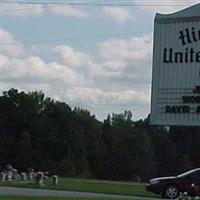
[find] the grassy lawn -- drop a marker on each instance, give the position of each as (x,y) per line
(54,198)
(96,186)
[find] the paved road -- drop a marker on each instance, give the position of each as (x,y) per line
(42,192)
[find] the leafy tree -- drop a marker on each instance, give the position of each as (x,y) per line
(49,135)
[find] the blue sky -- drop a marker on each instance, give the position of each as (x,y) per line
(95,57)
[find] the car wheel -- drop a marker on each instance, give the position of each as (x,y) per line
(171,192)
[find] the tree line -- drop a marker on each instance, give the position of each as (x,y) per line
(39,132)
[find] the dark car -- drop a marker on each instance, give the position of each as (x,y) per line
(171,187)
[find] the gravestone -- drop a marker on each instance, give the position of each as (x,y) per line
(9,176)
(39,178)
(14,174)
(2,176)
(30,174)
(23,176)
(55,180)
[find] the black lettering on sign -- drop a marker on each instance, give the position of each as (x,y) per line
(188,36)
(198,109)
(177,109)
(186,56)
(196,90)
(191,99)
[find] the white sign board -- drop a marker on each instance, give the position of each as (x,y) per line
(175,96)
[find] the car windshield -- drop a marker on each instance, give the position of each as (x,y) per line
(186,173)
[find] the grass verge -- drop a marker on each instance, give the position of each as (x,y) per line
(94,186)
(54,198)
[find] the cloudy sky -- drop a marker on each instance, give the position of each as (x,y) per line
(98,57)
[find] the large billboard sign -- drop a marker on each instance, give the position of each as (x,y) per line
(175,94)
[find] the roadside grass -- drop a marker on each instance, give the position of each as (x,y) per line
(55,198)
(94,186)
(58,198)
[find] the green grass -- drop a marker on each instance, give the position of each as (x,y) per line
(96,186)
(55,198)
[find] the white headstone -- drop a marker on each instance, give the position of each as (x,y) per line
(55,180)
(2,176)
(39,178)
(23,176)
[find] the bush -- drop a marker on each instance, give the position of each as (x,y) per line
(185,196)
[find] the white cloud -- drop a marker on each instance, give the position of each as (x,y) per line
(16,9)
(114,65)
(87,67)
(137,48)
(35,70)
(23,10)
(67,10)
(102,102)
(7,40)
(71,57)
(98,96)
(119,14)
(110,81)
